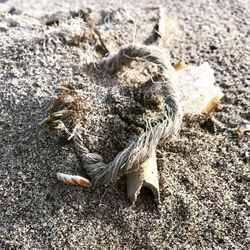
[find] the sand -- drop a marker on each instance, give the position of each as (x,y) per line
(204,172)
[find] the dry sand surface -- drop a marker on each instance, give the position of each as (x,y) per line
(204,172)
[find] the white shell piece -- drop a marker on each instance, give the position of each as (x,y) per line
(198,94)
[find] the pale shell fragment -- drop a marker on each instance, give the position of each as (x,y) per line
(243,128)
(196,85)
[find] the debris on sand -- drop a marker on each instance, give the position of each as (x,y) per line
(74,180)
(244,127)
(146,176)
(160,102)
(198,93)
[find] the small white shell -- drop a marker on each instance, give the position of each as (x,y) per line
(74,180)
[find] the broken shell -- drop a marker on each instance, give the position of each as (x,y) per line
(198,93)
(180,66)
(74,180)
(243,128)
(145,176)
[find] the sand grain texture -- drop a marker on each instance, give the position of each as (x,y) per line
(204,173)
